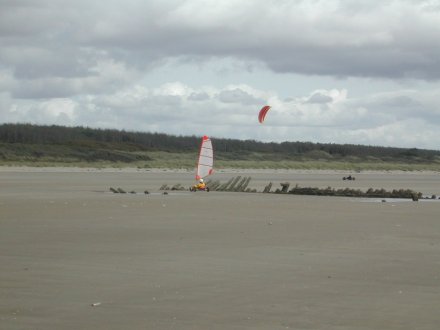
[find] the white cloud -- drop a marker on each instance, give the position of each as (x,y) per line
(53,111)
(382,119)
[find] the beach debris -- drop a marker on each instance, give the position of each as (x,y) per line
(240,184)
(177,187)
(347,192)
(267,188)
(243,184)
(213,185)
(216,185)
(96,304)
(224,186)
(284,188)
(164,187)
(234,182)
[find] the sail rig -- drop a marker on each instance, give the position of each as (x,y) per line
(205,162)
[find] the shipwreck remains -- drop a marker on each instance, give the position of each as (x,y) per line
(241,184)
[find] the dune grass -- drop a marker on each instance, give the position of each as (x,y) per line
(31,145)
(173,160)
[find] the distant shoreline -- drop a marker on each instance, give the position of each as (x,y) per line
(68,169)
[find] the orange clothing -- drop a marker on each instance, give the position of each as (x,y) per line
(200,185)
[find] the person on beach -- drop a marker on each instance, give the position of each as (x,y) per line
(201,185)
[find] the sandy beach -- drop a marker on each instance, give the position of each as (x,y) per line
(73,255)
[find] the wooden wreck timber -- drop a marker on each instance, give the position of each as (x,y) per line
(237,184)
(240,184)
(284,188)
(268,188)
(347,192)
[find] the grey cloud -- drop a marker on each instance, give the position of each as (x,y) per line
(319,98)
(154,104)
(165,100)
(394,107)
(354,38)
(34,63)
(401,101)
(43,88)
(198,96)
(238,96)
(388,108)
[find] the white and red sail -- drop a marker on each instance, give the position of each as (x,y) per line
(205,162)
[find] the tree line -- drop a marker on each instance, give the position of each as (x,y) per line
(145,141)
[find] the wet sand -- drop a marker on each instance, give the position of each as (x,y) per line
(215,260)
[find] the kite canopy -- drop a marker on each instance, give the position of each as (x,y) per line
(263,113)
(206,159)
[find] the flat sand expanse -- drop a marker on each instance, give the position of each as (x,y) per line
(215,260)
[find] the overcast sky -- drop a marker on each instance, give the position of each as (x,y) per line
(353,71)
